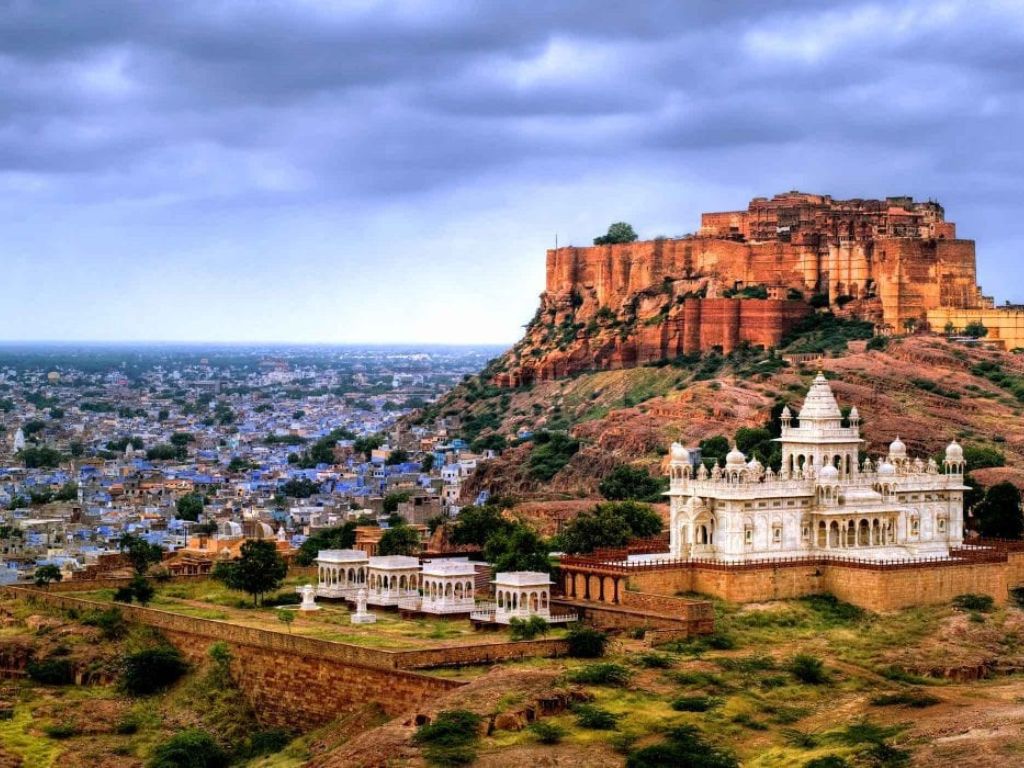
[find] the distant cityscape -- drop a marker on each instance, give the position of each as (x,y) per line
(192,448)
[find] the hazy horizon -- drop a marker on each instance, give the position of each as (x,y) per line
(313,173)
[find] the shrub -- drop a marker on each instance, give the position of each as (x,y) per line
(265,743)
(685,746)
(528,629)
(595,718)
(127,725)
(694,703)
(451,738)
(189,749)
(51,671)
(61,730)
(586,642)
(1017,595)
(110,622)
(749,721)
(864,732)
(601,674)
(827,761)
(747,664)
(972,602)
(877,343)
(907,698)
(794,737)
(551,451)
(152,670)
(654,661)
(832,610)
(808,669)
(547,733)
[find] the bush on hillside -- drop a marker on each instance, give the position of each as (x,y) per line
(189,749)
(586,642)
(152,670)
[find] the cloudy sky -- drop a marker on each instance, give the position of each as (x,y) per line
(350,170)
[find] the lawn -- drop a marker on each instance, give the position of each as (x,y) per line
(209,599)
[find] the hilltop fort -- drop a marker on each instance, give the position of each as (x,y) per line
(748,277)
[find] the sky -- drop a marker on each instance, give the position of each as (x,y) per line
(357,171)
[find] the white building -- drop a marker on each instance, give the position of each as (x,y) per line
(520,595)
(822,500)
(341,572)
(448,586)
(392,578)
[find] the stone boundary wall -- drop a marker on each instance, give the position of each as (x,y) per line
(292,682)
(610,616)
(667,605)
(881,589)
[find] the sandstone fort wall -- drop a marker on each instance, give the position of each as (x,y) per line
(881,589)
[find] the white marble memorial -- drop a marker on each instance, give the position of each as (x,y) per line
(341,572)
(823,499)
(392,578)
(448,586)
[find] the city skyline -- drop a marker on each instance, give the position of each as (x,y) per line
(365,173)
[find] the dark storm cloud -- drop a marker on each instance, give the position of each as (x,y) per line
(398,95)
(203,127)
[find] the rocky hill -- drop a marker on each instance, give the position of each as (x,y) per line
(923,388)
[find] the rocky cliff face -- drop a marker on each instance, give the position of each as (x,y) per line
(620,306)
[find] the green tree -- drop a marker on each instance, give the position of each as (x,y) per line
(393,499)
(976,330)
(427,463)
(182,439)
(260,569)
(140,553)
(397,456)
(474,525)
(300,488)
(982,456)
(45,574)
(999,513)
(366,445)
(190,507)
(286,617)
(612,524)
(341,537)
(518,549)
(619,232)
(593,530)
(400,540)
(626,482)
(43,457)
(714,449)
(68,492)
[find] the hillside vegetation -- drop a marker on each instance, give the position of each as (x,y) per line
(922,388)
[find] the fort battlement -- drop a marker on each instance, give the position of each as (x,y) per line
(746,277)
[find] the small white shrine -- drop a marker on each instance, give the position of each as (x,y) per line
(341,572)
(448,586)
(362,616)
(391,578)
(520,595)
(308,598)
